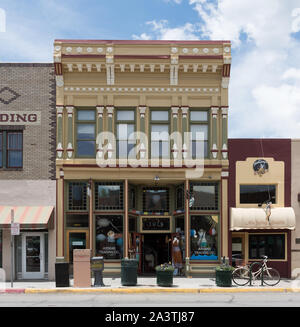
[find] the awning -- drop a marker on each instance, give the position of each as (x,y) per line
(39,217)
(256,218)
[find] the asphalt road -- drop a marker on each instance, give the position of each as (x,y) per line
(182,300)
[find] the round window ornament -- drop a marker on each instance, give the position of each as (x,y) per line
(100,50)
(185,50)
(260,167)
(89,49)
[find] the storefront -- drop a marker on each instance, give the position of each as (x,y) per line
(261,216)
(150,184)
(27,170)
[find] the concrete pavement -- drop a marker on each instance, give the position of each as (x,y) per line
(148,285)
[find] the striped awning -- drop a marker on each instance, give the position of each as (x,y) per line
(39,217)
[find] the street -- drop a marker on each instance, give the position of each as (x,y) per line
(184,300)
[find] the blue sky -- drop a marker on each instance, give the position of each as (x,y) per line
(265,80)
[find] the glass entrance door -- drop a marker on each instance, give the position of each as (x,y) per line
(33,263)
(76,240)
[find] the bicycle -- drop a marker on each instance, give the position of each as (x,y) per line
(256,271)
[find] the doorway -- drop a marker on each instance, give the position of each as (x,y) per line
(33,258)
(238,253)
(156,250)
(76,240)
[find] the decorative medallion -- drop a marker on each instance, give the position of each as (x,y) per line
(79,49)
(174,50)
(109,49)
(69,49)
(185,50)
(227,49)
(216,50)
(100,50)
(195,50)
(58,48)
(260,167)
(7,95)
(89,49)
(205,50)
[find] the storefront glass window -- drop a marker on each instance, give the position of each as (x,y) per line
(205,196)
(257,193)
(77,196)
(204,237)
(109,196)
(272,245)
(109,236)
(156,199)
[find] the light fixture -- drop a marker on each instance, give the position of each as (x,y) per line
(156,179)
(61,173)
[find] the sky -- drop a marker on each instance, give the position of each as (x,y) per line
(264,89)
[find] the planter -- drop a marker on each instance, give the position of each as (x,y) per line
(129,269)
(164,278)
(224,278)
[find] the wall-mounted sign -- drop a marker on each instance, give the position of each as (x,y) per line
(260,167)
(20,118)
(154,224)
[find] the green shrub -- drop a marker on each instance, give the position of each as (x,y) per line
(165,267)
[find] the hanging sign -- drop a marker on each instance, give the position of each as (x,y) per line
(15,229)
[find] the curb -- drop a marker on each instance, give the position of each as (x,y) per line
(158,290)
(14,291)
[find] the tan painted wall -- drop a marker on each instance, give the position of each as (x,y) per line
(246,175)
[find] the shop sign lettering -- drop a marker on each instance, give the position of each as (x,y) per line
(20,118)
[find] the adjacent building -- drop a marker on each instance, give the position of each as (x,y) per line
(261,215)
(142,151)
(27,169)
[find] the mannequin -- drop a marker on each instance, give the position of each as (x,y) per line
(176,255)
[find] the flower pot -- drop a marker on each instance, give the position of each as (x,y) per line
(164,278)
(224,278)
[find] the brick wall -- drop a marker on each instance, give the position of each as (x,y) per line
(31,88)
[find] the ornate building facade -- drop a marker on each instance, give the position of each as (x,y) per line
(142,151)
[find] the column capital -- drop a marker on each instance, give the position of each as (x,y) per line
(174,111)
(184,110)
(224,111)
(59,110)
(100,110)
(142,110)
(70,110)
(214,111)
(110,110)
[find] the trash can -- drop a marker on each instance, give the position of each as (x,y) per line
(129,269)
(62,278)
(97,266)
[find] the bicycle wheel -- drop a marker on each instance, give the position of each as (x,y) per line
(241,276)
(271,276)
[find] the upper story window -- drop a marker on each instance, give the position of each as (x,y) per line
(256,194)
(11,149)
(109,196)
(159,122)
(156,199)
(86,133)
(125,125)
(199,133)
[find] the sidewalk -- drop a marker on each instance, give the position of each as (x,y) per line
(148,285)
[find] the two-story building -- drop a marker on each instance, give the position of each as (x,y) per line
(142,151)
(27,170)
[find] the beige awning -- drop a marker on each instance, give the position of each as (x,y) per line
(256,218)
(38,217)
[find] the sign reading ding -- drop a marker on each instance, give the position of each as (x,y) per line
(20,118)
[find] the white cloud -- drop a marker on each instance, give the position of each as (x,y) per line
(264,88)
(160,30)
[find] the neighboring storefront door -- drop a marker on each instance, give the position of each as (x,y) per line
(33,259)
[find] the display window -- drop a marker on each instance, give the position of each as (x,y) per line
(206,196)
(109,236)
(204,237)
(270,245)
(109,196)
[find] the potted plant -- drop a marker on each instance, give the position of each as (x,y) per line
(224,275)
(164,274)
